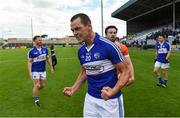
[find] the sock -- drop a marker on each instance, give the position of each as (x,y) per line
(36,98)
(160,79)
(165,81)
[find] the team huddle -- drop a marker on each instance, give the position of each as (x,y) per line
(105,65)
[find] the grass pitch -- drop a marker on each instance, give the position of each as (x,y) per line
(143,98)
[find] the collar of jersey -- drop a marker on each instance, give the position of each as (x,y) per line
(96,39)
(162,43)
(38,48)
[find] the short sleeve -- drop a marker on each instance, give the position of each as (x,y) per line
(47,51)
(124,50)
(156,46)
(114,54)
(168,47)
(79,57)
(30,55)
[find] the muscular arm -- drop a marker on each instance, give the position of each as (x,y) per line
(29,63)
(123,70)
(125,52)
(130,66)
(156,53)
(81,79)
(168,55)
(50,64)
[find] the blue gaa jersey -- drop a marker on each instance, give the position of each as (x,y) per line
(38,57)
(162,51)
(98,62)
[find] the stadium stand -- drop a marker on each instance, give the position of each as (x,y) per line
(151,35)
(147,18)
(12,43)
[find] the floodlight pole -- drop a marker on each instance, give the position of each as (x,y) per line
(174,14)
(102,27)
(31,28)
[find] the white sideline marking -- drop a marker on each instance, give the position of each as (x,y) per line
(131,55)
(4,61)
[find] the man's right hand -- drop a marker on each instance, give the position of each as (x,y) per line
(166,61)
(52,70)
(68,91)
(130,81)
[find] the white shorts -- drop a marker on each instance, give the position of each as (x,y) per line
(94,107)
(39,75)
(161,65)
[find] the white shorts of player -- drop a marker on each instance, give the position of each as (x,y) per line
(161,65)
(39,75)
(94,107)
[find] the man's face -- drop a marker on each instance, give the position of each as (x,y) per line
(80,30)
(160,38)
(38,41)
(111,34)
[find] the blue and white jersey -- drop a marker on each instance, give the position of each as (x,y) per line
(38,57)
(99,61)
(162,50)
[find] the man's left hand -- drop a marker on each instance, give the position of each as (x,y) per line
(52,70)
(166,61)
(107,93)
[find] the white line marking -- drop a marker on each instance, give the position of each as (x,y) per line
(4,61)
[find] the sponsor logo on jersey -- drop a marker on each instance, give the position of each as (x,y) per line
(162,50)
(40,58)
(82,57)
(93,67)
(36,53)
(97,55)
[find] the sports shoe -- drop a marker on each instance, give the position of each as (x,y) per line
(36,102)
(164,85)
(159,84)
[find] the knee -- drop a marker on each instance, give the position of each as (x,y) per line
(165,73)
(155,71)
(42,86)
(37,85)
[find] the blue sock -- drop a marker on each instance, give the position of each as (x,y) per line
(36,98)
(165,81)
(160,79)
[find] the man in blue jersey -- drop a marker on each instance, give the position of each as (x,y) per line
(163,50)
(100,61)
(37,57)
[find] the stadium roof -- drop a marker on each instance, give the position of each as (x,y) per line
(137,8)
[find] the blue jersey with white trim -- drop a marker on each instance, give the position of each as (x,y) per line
(162,51)
(99,61)
(38,57)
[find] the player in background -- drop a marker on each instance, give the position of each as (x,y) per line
(37,58)
(111,34)
(53,56)
(100,60)
(162,56)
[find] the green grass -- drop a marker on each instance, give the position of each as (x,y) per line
(143,98)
